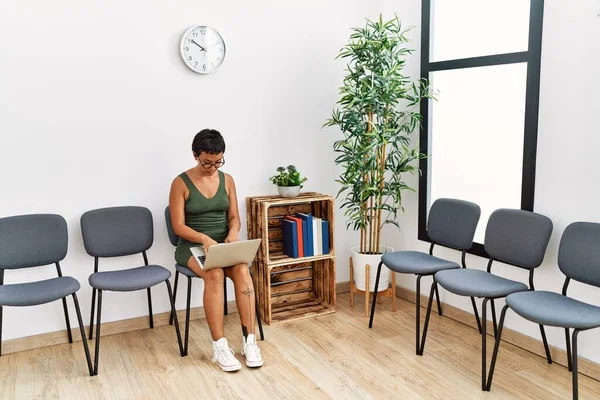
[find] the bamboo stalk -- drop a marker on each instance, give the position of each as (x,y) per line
(382,159)
(371,209)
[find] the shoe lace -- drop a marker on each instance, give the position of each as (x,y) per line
(251,349)
(223,353)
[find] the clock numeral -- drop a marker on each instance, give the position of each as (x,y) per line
(190,58)
(203,31)
(204,67)
(187,48)
(195,65)
(195,34)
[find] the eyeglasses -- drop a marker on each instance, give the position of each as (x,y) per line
(209,165)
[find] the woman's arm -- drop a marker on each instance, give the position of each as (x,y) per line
(177,211)
(233,214)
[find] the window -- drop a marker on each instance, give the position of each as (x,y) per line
(483,59)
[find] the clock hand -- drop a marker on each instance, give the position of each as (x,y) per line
(201,48)
(214,44)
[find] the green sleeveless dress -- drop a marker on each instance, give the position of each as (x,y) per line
(208,216)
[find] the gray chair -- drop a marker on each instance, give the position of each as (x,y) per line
(578,259)
(451,223)
(116,232)
(31,241)
(180,269)
(514,237)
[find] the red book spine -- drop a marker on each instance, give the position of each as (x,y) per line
(299,230)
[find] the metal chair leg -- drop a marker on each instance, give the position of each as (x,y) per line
(187,317)
(429,307)
(258,318)
(496,347)
(1,331)
(98,322)
(569,359)
(493,304)
(92,314)
(483,344)
(66,311)
(575,384)
(225,311)
(437,297)
(174,295)
(150,308)
(548,356)
(374,294)
(170,293)
(476,314)
(83,336)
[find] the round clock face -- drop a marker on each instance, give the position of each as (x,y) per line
(202,49)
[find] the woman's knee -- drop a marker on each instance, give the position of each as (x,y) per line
(214,277)
(240,271)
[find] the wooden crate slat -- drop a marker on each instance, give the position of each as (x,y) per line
(281,210)
(291,287)
(290,297)
(291,276)
(280,306)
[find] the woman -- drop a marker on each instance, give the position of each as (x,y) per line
(204,210)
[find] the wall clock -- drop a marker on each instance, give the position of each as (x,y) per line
(202,49)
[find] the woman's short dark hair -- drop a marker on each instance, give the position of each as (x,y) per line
(209,141)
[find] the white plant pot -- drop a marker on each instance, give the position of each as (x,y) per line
(359,263)
(288,191)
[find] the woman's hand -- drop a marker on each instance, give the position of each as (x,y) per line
(207,242)
(232,237)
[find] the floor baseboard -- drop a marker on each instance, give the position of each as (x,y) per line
(108,328)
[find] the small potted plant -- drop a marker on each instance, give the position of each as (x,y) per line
(288,181)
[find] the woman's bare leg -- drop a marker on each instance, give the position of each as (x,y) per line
(244,295)
(213,297)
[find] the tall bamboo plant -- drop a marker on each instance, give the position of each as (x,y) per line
(378,112)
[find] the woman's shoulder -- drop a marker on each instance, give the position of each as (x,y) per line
(179,180)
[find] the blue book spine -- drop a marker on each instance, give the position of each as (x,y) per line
(325,226)
(308,238)
(305,239)
(289,235)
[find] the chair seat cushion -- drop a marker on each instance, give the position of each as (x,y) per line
(129,279)
(554,309)
(185,271)
(34,293)
(477,283)
(416,262)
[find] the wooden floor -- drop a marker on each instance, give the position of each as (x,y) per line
(333,356)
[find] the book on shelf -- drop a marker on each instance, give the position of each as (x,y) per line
(304,235)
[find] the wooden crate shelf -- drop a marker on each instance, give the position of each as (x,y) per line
(290,288)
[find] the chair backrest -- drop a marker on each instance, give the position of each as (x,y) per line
(117,231)
(579,252)
(452,223)
(172,236)
(518,237)
(32,240)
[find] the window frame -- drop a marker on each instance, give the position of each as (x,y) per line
(532,57)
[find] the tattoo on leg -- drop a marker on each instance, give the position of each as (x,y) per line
(248,292)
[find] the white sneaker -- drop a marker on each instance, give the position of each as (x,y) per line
(251,351)
(223,355)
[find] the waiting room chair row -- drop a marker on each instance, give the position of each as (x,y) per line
(517,238)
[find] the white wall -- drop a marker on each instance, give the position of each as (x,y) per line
(567,172)
(97,110)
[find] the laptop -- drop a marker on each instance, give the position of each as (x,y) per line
(226,254)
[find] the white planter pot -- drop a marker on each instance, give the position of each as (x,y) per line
(359,262)
(288,191)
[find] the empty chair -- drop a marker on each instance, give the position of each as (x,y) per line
(32,241)
(190,274)
(451,223)
(115,232)
(578,259)
(514,237)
